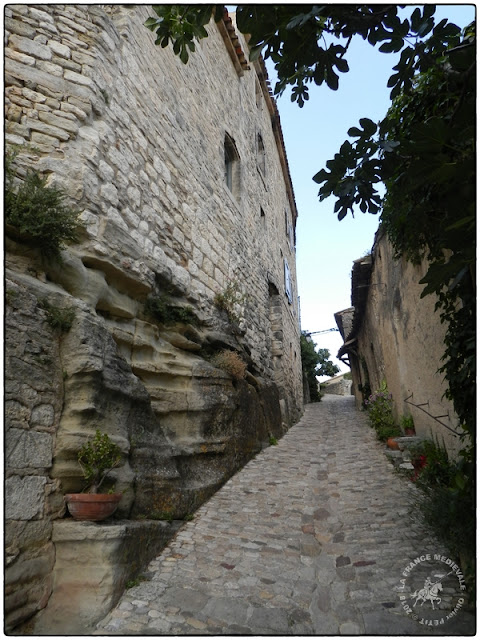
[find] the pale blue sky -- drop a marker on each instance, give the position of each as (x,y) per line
(326,247)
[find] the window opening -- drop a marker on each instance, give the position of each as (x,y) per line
(232,165)
(258,94)
(288,282)
(289,231)
(261,154)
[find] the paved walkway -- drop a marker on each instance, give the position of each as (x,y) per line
(311,537)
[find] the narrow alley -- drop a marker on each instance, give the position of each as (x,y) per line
(312,537)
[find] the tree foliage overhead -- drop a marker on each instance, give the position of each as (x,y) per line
(181,25)
(310,43)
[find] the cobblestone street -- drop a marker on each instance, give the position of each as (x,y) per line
(311,537)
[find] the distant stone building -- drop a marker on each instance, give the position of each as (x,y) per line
(390,333)
(180,175)
(337,386)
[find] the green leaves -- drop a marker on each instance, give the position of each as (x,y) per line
(97,458)
(393,46)
(429,206)
(368,126)
(333,58)
(60,319)
(353,172)
(163,310)
(151,23)
(38,213)
(300,19)
(180,25)
(315,363)
(299,94)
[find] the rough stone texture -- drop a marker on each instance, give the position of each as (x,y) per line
(400,339)
(338,386)
(93,564)
(33,403)
(310,538)
(116,122)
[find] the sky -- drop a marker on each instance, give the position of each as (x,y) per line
(326,248)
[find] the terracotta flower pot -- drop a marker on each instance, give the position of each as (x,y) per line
(92,506)
(392,443)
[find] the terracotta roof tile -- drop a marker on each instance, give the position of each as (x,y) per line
(235,41)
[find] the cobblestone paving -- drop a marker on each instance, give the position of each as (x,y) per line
(310,538)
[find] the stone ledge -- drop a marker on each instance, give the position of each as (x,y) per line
(94,561)
(401,457)
(406,442)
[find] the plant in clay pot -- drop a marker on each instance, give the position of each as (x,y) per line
(392,444)
(408,425)
(97,458)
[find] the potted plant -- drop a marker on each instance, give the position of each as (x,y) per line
(408,425)
(97,458)
(392,443)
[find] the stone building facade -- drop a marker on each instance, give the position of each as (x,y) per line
(180,176)
(390,333)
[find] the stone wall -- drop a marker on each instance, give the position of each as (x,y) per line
(137,141)
(337,386)
(92,566)
(397,336)
(33,404)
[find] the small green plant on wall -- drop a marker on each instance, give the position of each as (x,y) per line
(161,309)
(166,516)
(408,425)
(380,415)
(227,300)
(60,319)
(38,212)
(130,584)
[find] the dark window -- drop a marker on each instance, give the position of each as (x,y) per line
(258,94)
(232,166)
(260,154)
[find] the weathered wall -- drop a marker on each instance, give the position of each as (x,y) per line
(136,139)
(33,404)
(338,386)
(400,340)
(92,566)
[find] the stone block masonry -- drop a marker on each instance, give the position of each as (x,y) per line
(137,141)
